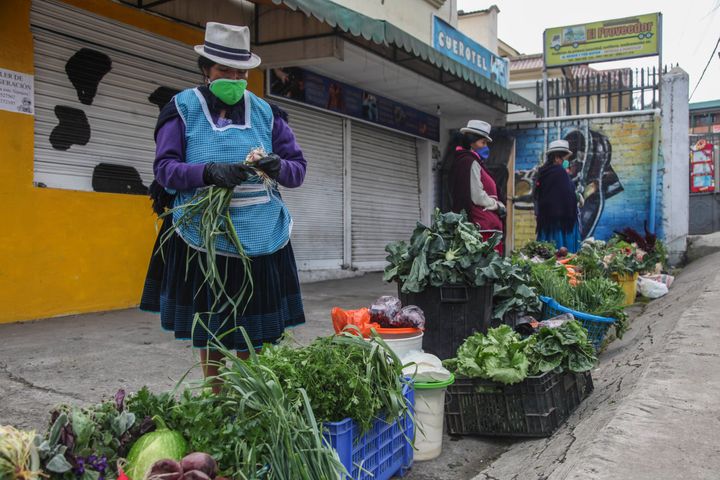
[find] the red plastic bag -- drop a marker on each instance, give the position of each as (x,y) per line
(359,318)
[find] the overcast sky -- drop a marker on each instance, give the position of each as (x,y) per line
(691,29)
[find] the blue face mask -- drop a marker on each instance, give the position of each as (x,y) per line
(483,152)
(565,164)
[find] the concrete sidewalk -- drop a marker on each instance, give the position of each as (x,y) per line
(653,413)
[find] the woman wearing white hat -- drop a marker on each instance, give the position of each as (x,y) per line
(471,187)
(203,137)
(556,207)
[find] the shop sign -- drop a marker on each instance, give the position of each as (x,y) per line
(304,86)
(618,39)
(16,92)
(463,49)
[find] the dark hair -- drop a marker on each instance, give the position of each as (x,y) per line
(550,157)
(204,64)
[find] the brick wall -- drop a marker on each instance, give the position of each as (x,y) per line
(626,142)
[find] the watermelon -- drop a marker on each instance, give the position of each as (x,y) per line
(154,446)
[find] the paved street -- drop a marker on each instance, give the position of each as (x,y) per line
(653,413)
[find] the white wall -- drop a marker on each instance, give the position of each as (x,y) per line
(481,27)
(411,16)
(676,171)
(526,89)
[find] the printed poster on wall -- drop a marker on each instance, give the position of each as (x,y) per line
(604,41)
(16,92)
(463,49)
(294,83)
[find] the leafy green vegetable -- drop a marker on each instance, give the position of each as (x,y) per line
(512,292)
(450,251)
(544,250)
(154,446)
(499,356)
(566,346)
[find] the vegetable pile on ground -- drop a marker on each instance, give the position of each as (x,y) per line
(502,355)
(597,296)
(256,423)
(450,251)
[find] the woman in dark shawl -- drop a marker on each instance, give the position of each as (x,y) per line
(556,207)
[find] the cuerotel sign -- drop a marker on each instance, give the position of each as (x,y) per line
(468,52)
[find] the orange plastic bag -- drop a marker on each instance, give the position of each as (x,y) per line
(359,318)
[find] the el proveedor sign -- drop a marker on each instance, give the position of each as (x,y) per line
(617,39)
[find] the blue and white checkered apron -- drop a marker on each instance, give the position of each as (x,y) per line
(260,217)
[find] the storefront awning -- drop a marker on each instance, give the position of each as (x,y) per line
(384,33)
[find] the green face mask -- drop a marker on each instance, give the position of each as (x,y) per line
(228,91)
(565,164)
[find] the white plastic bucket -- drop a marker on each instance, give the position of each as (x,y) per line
(429,418)
(403,343)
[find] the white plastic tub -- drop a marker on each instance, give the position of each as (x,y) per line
(403,343)
(430,418)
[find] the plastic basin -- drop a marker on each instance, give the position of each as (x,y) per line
(404,342)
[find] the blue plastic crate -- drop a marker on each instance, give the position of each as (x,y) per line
(596,326)
(382,452)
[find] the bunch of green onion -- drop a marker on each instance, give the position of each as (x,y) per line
(212,206)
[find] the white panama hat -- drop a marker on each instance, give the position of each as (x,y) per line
(559,146)
(228,45)
(478,127)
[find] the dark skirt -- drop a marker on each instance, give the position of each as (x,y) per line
(174,287)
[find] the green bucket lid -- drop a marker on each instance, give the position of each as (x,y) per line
(433,385)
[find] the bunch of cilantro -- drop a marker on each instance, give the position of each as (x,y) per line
(344,376)
(450,251)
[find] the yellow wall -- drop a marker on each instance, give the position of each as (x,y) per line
(62,251)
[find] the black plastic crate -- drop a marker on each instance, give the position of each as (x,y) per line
(535,407)
(452,313)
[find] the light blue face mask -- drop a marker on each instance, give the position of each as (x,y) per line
(565,164)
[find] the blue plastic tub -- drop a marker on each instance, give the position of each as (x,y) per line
(596,326)
(383,452)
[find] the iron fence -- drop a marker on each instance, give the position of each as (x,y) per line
(584,91)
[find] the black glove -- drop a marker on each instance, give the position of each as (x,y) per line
(227,175)
(270,165)
(502,211)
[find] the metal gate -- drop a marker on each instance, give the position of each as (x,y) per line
(385,192)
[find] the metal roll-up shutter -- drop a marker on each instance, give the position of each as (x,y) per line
(385,192)
(317,205)
(98,89)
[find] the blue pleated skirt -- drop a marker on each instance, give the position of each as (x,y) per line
(561,238)
(175,288)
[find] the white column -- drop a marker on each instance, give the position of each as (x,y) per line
(676,165)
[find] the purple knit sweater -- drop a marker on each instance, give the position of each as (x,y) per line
(172,172)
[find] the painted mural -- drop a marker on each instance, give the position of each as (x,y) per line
(85,70)
(610,167)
